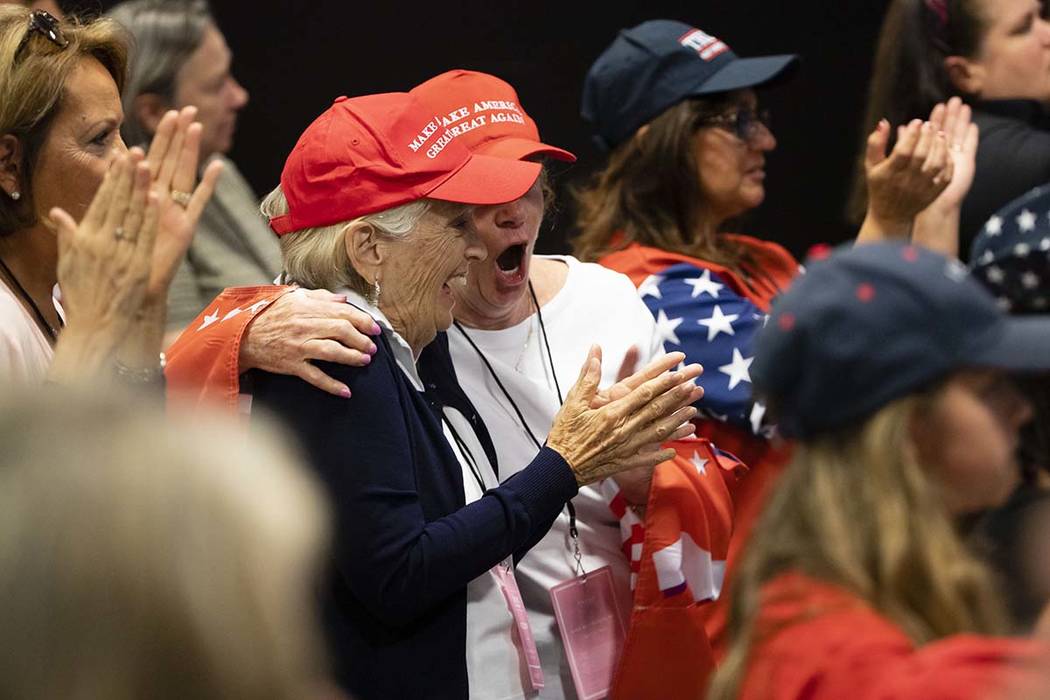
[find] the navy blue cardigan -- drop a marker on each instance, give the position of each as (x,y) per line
(406,546)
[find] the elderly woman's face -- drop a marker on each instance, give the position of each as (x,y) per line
(508,231)
(420,272)
(82,140)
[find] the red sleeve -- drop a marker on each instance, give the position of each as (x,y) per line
(202,364)
(853,652)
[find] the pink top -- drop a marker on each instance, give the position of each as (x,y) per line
(25,353)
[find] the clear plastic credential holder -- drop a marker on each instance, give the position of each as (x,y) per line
(592,630)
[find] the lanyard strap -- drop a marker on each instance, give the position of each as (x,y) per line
(573,530)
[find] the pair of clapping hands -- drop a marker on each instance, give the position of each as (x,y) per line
(916,190)
(115,266)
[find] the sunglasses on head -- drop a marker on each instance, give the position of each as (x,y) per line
(44,24)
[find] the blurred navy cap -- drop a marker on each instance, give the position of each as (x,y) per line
(873,323)
(1011,254)
(657,64)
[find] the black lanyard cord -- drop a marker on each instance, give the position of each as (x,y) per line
(573,531)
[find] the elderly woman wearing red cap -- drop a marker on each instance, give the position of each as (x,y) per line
(376,201)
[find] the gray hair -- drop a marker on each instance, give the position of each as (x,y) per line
(315,257)
(166,33)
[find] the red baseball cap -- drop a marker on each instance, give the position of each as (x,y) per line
(372,153)
(488,113)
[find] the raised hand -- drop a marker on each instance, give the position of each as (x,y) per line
(626,432)
(906,181)
(104,267)
(173,157)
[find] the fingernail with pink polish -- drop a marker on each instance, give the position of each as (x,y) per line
(376,330)
(372,350)
(366,359)
(344,392)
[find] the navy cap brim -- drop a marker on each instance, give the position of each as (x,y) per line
(749,72)
(1022,346)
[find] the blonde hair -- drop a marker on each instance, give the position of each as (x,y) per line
(31,89)
(857,510)
(315,257)
(145,556)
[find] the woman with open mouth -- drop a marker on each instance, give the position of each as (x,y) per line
(377,204)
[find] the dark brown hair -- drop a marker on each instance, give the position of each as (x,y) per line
(31,89)
(649,192)
(909,77)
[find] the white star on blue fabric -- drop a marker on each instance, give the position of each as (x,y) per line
(1029,280)
(1022,249)
(994,274)
(738,370)
(718,323)
(704,285)
(665,327)
(650,286)
(1026,221)
(994,226)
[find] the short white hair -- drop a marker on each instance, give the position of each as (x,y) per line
(316,256)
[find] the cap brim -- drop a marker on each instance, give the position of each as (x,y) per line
(1024,346)
(749,72)
(522,149)
(487,180)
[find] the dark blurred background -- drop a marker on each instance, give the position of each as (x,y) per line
(295,56)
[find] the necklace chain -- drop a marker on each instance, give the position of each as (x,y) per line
(48,329)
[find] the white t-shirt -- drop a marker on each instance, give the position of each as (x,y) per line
(495,669)
(25,352)
(595,306)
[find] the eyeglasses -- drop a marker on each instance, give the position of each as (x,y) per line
(46,25)
(744,123)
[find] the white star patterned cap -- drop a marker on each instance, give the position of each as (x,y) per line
(1011,254)
(873,323)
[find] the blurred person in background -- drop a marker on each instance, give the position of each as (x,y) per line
(1012,264)
(145,555)
(80,210)
(892,369)
(180,57)
(995,55)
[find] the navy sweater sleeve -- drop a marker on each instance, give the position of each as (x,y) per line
(398,552)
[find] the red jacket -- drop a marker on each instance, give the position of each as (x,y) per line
(818,641)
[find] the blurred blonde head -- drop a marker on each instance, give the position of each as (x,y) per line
(144,556)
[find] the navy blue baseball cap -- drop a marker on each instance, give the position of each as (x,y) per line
(1011,254)
(654,66)
(874,323)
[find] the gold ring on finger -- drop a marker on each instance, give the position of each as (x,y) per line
(118,232)
(181,198)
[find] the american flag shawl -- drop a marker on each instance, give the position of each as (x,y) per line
(710,313)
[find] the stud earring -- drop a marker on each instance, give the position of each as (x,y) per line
(16,196)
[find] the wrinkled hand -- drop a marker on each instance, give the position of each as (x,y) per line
(307,325)
(173,157)
(626,432)
(904,183)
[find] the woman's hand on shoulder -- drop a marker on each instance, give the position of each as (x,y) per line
(307,325)
(625,428)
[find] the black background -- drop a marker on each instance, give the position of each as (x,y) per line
(295,56)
